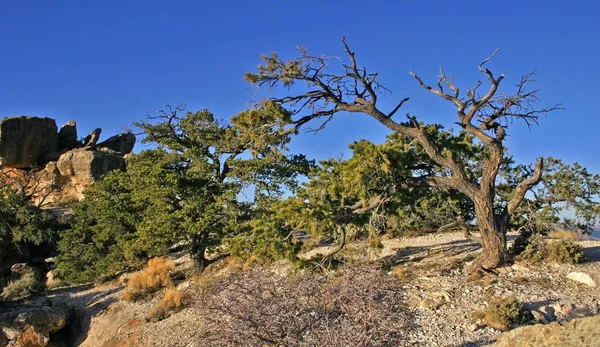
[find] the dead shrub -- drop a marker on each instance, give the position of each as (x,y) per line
(156,275)
(358,304)
(171,302)
(507,313)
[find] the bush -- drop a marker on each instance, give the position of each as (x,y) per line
(507,313)
(563,251)
(171,302)
(360,305)
(24,286)
(155,276)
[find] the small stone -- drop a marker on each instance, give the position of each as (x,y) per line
(548,312)
(538,316)
(519,267)
(582,277)
(427,304)
(504,270)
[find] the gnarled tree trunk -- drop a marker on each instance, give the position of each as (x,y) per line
(493,235)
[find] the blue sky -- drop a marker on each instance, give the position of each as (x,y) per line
(109,63)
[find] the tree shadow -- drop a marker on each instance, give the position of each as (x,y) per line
(416,254)
(592,254)
(477,343)
(91,305)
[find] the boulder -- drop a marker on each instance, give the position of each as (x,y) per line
(122,143)
(67,136)
(31,324)
(86,167)
(91,140)
(578,332)
(52,279)
(24,141)
(591,280)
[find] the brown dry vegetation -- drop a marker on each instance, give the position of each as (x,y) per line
(155,276)
(357,304)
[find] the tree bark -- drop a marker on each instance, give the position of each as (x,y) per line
(493,234)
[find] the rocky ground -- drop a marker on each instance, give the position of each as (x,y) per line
(431,269)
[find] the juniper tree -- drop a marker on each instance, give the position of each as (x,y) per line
(481,114)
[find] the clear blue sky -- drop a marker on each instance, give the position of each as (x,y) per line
(108,63)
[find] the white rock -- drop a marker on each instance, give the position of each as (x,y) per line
(582,277)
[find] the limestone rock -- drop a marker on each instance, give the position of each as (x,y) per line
(582,277)
(578,332)
(121,143)
(24,141)
(67,136)
(87,167)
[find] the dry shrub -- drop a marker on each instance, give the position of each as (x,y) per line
(152,278)
(358,305)
(171,302)
(400,273)
(22,287)
(563,234)
(507,313)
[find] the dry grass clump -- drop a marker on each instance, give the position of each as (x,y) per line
(563,234)
(171,302)
(155,276)
(507,313)
(358,305)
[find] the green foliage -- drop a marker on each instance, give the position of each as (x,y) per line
(22,223)
(562,251)
(187,189)
(507,313)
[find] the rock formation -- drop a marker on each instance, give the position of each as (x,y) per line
(54,166)
(67,136)
(24,141)
(122,143)
(31,323)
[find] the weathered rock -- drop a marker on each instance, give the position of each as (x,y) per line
(548,312)
(87,167)
(591,280)
(578,332)
(121,143)
(90,141)
(33,338)
(24,141)
(31,323)
(46,319)
(67,136)
(52,279)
